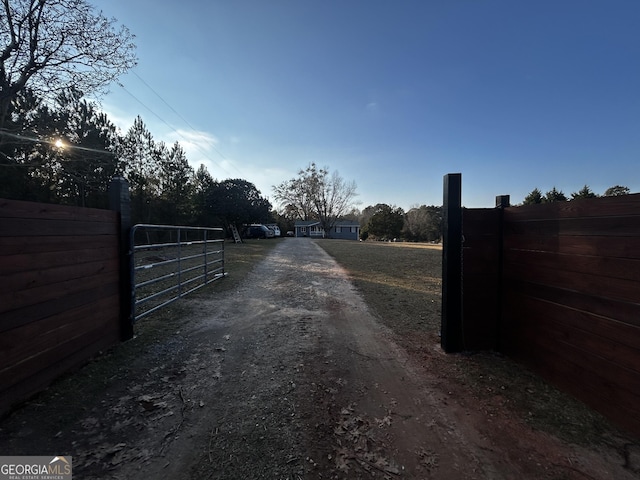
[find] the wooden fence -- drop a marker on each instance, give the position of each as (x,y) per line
(557,287)
(59,292)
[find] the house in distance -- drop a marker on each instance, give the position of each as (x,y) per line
(343,229)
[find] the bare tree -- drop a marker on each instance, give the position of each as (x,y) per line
(52,45)
(317,194)
(332,196)
(294,196)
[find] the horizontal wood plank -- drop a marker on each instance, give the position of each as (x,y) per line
(590,285)
(48,211)
(31,385)
(627,226)
(30,340)
(50,244)
(479,261)
(81,294)
(604,267)
(34,286)
(17,227)
(609,246)
(569,295)
(558,365)
(40,262)
(480,320)
(11,374)
(625,312)
(104,275)
(59,292)
(614,341)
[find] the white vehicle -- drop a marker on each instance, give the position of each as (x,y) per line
(275,228)
(258,231)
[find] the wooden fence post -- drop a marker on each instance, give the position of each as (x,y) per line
(502,202)
(451,334)
(120,201)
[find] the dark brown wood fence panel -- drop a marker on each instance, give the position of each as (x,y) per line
(571,298)
(61,305)
(628,226)
(49,343)
(34,338)
(53,212)
(58,299)
(59,292)
(22,262)
(51,244)
(16,227)
(34,384)
(614,341)
(601,266)
(582,374)
(625,312)
(620,247)
(480,278)
(25,281)
(588,284)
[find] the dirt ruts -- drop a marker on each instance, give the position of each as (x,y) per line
(291,376)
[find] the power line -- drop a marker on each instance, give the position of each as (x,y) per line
(166,103)
(204,153)
(173,129)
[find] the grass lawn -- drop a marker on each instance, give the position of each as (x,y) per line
(402,283)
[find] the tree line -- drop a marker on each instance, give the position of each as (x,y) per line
(66,151)
(389,223)
(57,147)
(554,195)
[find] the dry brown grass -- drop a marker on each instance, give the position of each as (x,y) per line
(401,282)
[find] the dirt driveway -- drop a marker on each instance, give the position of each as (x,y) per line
(291,377)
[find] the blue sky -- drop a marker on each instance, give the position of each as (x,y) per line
(392,94)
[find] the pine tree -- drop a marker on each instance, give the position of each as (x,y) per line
(584,192)
(176,187)
(534,197)
(554,195)
(138,155)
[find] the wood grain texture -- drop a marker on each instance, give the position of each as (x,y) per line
(59,292)
(568,293)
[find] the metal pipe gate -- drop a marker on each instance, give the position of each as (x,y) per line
(170,262)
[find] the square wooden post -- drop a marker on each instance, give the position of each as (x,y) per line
(120,201)
(451,334)
(502,202)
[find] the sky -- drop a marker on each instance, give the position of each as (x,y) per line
(393,95)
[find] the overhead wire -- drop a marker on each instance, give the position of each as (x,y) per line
(173,129)
(204,153)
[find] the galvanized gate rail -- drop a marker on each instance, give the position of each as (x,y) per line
(170,262)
